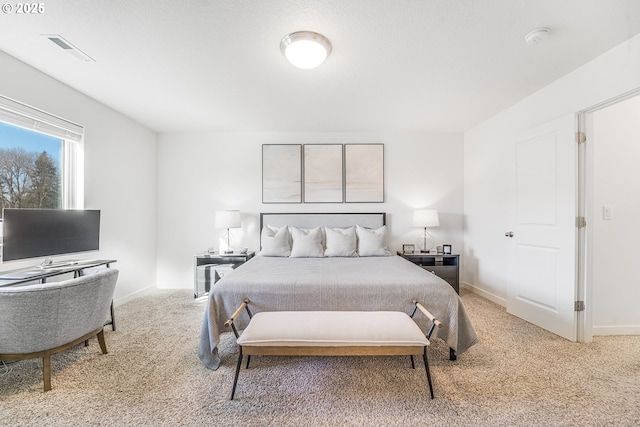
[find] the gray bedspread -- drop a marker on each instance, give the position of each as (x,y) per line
(365,284)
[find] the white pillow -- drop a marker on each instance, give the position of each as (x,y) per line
(372,242)
(322,237)
(306,243)
(275,241)
(341,242)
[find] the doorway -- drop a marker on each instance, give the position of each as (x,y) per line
(612,208)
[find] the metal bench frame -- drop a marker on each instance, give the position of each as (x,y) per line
(346,350)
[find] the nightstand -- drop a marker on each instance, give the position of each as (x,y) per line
(210,267)
(445,266)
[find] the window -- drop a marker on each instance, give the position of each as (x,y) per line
(30,169)
(40,162)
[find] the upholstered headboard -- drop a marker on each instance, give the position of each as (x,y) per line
(308,220)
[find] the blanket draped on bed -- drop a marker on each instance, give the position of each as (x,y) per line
(323,284)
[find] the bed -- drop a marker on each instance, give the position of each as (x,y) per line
(368,282)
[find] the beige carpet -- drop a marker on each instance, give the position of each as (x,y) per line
(516,375)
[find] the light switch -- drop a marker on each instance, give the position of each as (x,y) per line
(607,213)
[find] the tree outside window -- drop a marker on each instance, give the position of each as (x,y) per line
(30,169)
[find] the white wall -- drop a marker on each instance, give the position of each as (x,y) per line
(199,173)
(614,246)
(487,167)
(120,172)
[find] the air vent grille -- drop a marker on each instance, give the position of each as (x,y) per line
(68,47)
(60,42)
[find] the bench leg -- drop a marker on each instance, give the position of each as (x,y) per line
(426,367)
(235,380)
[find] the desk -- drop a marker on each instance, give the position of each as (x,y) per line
(41,273)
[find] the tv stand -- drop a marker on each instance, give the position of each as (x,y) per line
(49,263)
(45,270)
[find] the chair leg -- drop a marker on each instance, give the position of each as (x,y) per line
(235,380)
(101,341)
(426,367)
(248,360)
(413,366)
(46,371)
(113,318)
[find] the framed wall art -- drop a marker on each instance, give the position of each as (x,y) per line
(364,173)
(282,173)
(323,173)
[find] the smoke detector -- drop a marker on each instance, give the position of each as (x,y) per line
(537,36)
(68,47)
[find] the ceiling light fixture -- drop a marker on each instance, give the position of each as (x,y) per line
(537,36)
(305,49)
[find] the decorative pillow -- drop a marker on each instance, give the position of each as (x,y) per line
(275,241)
(372,242)
(322,237)
(341,242)
(306,243)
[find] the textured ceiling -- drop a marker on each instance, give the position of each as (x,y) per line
(396,65)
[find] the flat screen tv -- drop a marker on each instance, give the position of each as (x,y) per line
(32,233)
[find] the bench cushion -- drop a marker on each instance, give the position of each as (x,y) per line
(332,329)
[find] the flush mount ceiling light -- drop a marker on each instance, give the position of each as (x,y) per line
(305,49)
(537,36)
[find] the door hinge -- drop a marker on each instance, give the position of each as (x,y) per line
(581,222)
(579,306)
(581,137)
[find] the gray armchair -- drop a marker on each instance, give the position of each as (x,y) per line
(43,319)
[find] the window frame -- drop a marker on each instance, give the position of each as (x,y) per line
(21,115)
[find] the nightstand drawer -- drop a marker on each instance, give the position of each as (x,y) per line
(446,273)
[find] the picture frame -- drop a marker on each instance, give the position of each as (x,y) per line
(446,249)
(282,173)
(364,173)
(408,249)
(323,173)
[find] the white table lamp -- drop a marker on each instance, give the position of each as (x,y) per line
(228,219)
(426,218)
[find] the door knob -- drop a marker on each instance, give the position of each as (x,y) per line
(509,234)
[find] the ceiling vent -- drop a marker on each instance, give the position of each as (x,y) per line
(68,47)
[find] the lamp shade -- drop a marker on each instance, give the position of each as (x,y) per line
(426,218)
(228,219)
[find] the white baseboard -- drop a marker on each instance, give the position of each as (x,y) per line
(132,296)
(616,330)
(488,295)
(183,285)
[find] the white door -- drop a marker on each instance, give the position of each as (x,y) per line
(542,232)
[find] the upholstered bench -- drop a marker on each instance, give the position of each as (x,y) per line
(332,333)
